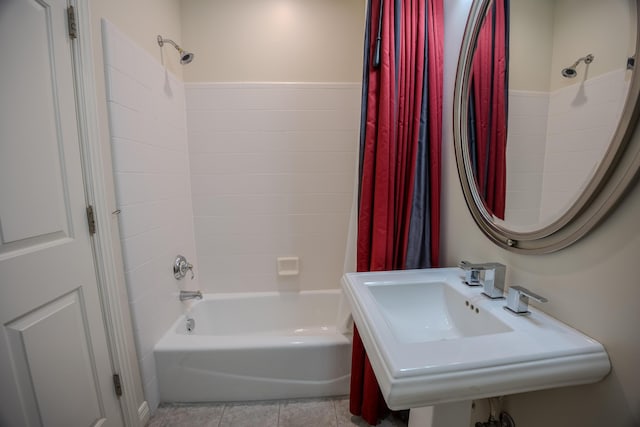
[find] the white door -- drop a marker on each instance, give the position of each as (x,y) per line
(55,368)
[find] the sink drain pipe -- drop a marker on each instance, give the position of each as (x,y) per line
(495,420)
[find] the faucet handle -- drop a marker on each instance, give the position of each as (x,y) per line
(518,299)
(466,265)
(180,267)
(471,273)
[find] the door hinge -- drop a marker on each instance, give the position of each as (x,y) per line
(91,219)
(71,23)
(117,385)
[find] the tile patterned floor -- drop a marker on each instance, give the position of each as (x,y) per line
(329,412)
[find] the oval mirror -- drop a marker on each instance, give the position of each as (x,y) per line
(545,105)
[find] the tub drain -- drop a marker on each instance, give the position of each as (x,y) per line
(191,324)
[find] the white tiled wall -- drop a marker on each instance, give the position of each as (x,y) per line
(526,142)
(272,173)
(151,169)
(555,142)
(582,120)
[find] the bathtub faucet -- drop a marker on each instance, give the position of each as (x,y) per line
(185,295)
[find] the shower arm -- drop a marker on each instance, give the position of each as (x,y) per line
(162,41)
(587,60)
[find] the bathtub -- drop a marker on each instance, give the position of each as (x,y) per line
(256,346)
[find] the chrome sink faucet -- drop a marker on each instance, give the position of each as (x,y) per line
(492,281)
(518,299)
(186,295)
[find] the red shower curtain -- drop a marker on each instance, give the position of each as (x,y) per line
(489,80)
(400,152)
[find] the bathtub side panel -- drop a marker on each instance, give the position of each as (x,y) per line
(279,372)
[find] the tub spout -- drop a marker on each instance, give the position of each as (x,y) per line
(185,295)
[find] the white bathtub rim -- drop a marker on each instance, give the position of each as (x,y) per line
(173,341)
(247,295)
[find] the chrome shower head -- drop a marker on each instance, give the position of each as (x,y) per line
(185,57)
(570,72)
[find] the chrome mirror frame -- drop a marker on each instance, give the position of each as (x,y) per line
(615,175)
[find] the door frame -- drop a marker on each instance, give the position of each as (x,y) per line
(105,242)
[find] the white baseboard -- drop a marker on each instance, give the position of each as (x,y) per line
(144,413)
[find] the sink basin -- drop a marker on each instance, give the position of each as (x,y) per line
(418,313)
(432,339)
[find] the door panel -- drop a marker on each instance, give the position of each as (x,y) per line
(32,150)
(55,368)
(36,345)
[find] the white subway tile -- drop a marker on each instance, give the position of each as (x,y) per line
(140,281)
(525,145)
(127,123)
(164,282)
(272,96)
(236,224)
(272,120)
(580,140)
(580,162)
(531,163)
(120,52)
(272,162)
(528,103)
(593,117)
(133,188)
(138,218)
(272,183)
(522,200)
(522,217)
(281,141)
(606,87)
(148,366)
(138,250)
(524,181)
(131,156)
(564,181)
(554,203)
(128,92)
(152,393)
(250,204)
(147,324)
(534,125)
(145,69)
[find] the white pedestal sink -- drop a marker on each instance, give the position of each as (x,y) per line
(433,340)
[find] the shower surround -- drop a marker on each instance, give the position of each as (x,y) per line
(272,174)
(556,140)
(267,170)
(151,171)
